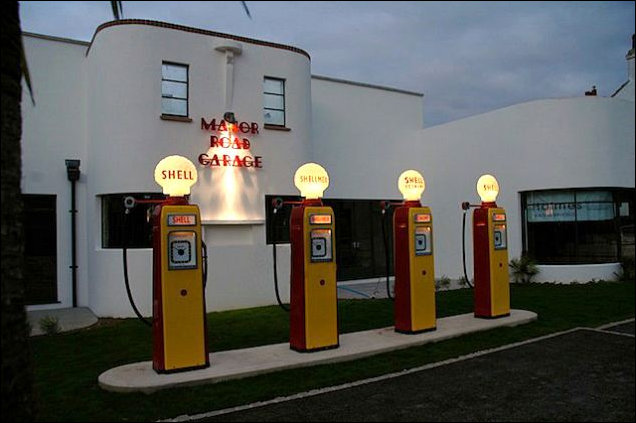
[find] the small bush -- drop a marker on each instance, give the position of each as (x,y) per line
(464,283)
(627,272)
(442,283)
(523,269)
(50,325)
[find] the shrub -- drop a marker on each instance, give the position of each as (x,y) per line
(442,283)
(627,273)
(523,269)
(50,325)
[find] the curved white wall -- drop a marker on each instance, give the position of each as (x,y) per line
(127,138)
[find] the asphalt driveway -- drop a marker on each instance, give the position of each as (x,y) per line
(580,375)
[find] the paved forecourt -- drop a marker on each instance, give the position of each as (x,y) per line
(236,364)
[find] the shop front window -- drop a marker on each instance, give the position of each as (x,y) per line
(136,232)
(574,226)
(360,237)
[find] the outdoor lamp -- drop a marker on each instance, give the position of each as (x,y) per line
(72,169)
(229,117)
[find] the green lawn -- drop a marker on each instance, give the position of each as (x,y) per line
(67,365)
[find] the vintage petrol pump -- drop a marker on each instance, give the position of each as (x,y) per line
(313,303)
(414,305)
(179,327)
(490,250)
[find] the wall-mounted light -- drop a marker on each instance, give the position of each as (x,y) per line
(229,117)
(72,169)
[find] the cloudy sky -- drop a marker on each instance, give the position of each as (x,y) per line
(465,57)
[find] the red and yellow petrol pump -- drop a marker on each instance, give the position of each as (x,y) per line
(313,299)
(490,250)
(179,327)
(414,305)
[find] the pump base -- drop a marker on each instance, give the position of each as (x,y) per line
(304,350)
(415,332)
(492,317)
(182,369)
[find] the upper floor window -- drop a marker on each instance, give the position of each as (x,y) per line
(174,89)
(274,101)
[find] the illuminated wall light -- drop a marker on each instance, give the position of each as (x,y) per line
(312,180)
(487,188)
(411,184)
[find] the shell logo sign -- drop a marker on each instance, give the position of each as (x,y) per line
(312,180)
(487,188)
(411,184)
(175,174)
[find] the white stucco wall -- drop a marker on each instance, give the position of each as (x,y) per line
(53,130)
(363,135)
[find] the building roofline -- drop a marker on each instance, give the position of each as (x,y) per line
(362,84)
(167,25)
(59,39)
(619,89)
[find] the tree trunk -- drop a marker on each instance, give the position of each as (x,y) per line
(17,396)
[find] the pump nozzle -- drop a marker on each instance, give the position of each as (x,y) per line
(465,205)
(386,205)
(277,204)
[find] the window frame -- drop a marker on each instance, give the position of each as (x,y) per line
(283,95)
(187,84)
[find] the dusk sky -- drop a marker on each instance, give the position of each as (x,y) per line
(465,57)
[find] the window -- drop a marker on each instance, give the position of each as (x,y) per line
(40,248)
(362,232)
(274,101)
(174,89)
(138,232)
(576,226)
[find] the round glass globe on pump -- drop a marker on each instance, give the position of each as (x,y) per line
(175,174)
(487,188)
(411,184)
(312,180)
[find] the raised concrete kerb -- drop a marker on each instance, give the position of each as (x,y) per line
(236,364)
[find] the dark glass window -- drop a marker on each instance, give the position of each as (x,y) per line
(360,244)
(138,231)
(40,248)
(576,226)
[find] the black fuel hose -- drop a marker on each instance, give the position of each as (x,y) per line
(464,248)
(125,263)
(386,253)
(272,230)
(205,263)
